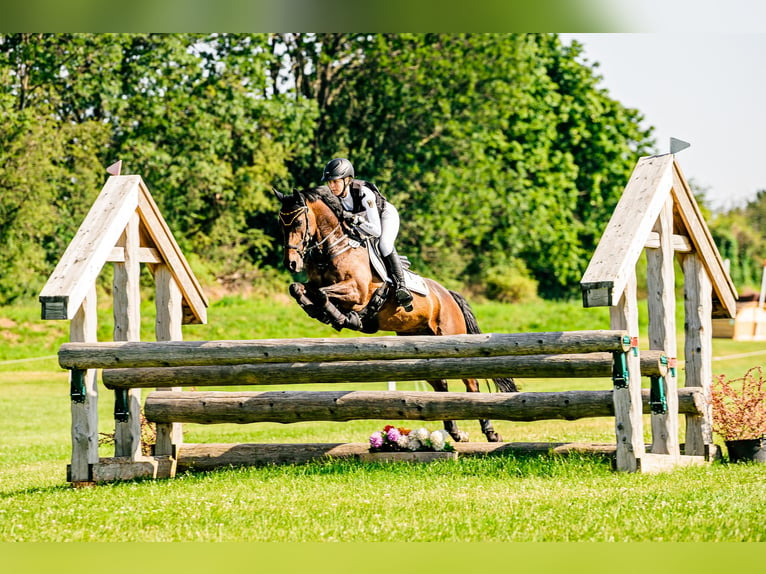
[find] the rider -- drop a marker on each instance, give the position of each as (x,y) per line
(380,219)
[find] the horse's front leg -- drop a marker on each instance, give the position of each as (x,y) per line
(312,308)
(318,305)
(348,292)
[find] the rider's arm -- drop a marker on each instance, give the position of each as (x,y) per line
(370,223)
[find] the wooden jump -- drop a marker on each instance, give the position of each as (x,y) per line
(657,214)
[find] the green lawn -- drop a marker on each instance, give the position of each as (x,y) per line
(493,499)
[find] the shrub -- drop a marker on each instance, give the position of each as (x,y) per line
(739,406)
(510,283)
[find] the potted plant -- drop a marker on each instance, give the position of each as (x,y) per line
(739,415)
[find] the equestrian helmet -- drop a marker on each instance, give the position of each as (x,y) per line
(338,168)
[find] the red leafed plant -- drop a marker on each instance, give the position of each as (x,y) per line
(739,406)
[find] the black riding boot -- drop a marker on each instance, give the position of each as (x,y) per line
(394,267)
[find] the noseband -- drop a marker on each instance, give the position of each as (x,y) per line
(287,221)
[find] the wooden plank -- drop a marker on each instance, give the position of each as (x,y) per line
(592,365)
(661,300)
(407,456)
(194,296)
(243,407)
(83,327)
(619,248)
(203,457)
(127,327)
(629,426)
(169,317)
(651,463)
(681,243)
(145,255)
(91,246)
(124,468)
(703,242)
(109,355)
(698,350)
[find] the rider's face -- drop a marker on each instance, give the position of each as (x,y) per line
(337,186)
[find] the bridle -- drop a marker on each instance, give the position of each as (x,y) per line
(287,224)
(309,244)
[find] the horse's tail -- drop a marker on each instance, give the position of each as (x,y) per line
(504,384)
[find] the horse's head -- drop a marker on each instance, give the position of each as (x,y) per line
(298,227)
(308,218)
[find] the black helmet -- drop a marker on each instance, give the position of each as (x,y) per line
(338,168)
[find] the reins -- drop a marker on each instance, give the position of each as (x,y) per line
(306,248)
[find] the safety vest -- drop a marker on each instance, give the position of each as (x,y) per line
(356,195)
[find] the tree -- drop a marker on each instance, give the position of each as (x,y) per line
(741,238)
(501,152)
(48,163)
(497,148)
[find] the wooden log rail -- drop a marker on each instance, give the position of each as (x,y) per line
(215,407)
(110,355)
(596,365)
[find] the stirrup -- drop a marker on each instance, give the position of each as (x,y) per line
(404,298)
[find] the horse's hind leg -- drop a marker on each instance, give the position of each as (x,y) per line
(472,386)
(440,386)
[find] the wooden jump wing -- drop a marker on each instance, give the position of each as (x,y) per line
(630,229)
(96,243)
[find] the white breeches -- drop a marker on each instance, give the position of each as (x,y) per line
(389,224)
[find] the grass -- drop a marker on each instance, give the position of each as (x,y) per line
(494,499)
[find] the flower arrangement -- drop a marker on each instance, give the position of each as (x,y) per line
(393,439)
(739,406)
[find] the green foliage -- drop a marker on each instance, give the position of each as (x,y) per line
(494,147)
(509,283)
(514,151)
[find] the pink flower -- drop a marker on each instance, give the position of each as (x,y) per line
(393,435)
(376,439)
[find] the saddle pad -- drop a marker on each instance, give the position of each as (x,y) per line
(414,282)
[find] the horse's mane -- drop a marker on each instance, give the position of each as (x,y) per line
(323,193)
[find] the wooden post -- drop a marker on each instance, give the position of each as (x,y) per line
(660,279)
(629,425)
(127,327)
(698,349)
(85,410)
(168,328)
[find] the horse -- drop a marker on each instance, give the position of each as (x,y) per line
(345,291)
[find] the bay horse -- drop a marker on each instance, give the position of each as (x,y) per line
(345,291)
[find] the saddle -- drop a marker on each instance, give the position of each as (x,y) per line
(413,281)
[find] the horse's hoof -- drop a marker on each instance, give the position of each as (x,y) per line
(494,437)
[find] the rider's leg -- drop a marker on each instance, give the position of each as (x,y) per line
(389,222)
(394,267)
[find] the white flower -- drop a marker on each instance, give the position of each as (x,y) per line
(437,440)
(413,443)
(420,434)
(403,441)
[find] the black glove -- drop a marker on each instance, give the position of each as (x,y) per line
(349,218)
